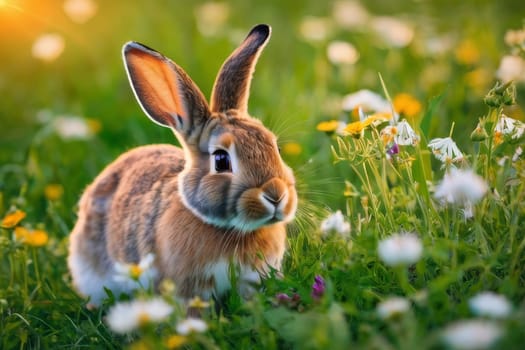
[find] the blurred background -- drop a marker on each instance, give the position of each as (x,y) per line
(66,108)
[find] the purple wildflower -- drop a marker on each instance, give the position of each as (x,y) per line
(318,288)
(393,150)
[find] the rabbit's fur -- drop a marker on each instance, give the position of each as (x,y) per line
(223,198)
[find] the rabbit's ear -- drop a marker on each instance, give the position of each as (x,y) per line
(232,86)
(164,91)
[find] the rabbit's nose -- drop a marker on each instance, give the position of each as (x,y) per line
(274,201)
(274,191)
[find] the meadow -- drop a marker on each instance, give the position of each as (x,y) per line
(402,120)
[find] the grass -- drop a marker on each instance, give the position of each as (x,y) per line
(42,173)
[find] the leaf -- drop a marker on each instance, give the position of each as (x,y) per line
(311,329)
(434,102)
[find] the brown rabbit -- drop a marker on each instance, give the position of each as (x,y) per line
(222,199)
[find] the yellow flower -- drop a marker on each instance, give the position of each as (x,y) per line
(53,192)
(478,79)
(292,149)
(377,118)
(135,271)
(407,105)
(34,238)
(350,190)
(94,125)
(198,303)
(176,341)
(498,137)
(328,126)
(467,53)
(355,129)
(12,219)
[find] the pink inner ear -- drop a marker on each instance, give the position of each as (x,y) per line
(156,86)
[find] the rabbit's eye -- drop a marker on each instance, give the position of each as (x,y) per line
(222,161)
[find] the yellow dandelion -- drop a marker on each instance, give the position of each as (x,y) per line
(328,126)
(12,219)
(467,53)
(198,303)
(176,341)
(292,149)
(53,192)
(355,129)
(377,118)
(407,105)
(34,238)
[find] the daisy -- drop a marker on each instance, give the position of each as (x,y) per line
(392,307)
(136,275)
(400,249)
(462,187)
(80,11)
(405,135)
(471,334)
(48,47)
(335,222)
(367,100)
(342,53)
(72,128)
(125,317)
(509,126)
(393,31)
(490,304)
(191,325)
(212,17)
(446,150)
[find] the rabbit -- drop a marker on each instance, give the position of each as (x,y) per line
(223,199)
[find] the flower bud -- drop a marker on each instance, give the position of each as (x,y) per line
(479,134)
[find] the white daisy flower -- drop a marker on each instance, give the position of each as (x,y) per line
(472,334)
(367,100)
(490,304)
(405,135)
(511,67)
(461,187)
(510,126)
(400,249)
(211,17)
(136,275)
(125,317)
(72,128)
(191,325)
(392,307)
(335,222)
(393,31)
(80,11)
(342,53)
(445,149)
(350,14)
(48,47)
(314,29)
